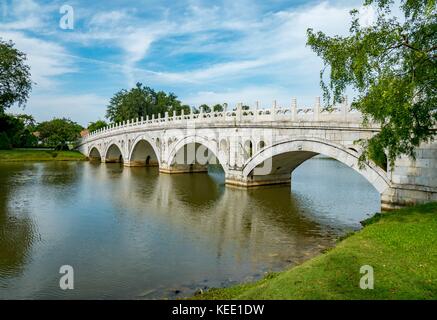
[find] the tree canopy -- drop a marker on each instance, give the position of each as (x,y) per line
(392,66)
(99,124)
(15,83)
(142,101)
(205,108)
(218,108)
(16,131)
(58,133)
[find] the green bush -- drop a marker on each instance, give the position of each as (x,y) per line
(5,143)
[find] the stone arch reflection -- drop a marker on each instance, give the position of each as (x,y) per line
(232,219)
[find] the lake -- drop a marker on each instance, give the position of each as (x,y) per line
(132,233)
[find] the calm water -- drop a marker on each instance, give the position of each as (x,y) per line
(132,233)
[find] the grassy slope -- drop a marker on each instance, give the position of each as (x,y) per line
(401,246)
(39,155)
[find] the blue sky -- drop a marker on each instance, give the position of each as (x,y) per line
(203,51)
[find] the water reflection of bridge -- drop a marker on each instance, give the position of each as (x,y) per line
(232,219)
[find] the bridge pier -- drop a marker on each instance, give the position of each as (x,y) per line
(413,181)
(141,163)
(400,196)
(236,178)
(184,168)
(118,159)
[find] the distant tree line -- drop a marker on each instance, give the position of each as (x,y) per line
(142,101)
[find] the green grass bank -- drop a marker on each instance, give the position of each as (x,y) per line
(40,155)
(401,246)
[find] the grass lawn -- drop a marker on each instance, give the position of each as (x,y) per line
(40,155)
(401,246)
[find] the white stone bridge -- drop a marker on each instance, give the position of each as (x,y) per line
(259,147)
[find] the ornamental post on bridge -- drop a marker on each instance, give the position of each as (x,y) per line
(255,113)
(166,116)
(239,107)
(182,114)
(293,109)
(225,110)
(345,108)
(191,113)
(274,107)
(317,109)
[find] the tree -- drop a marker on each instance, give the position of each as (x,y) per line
(392,65)
(99,124)
(57,133)
(205,108)
(16,131)
(15,83)
(142,101)
(218,108)
(184,107)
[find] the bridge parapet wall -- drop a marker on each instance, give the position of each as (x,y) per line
(293,114)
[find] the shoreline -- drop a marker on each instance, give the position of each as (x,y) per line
(23,155)
(397,245)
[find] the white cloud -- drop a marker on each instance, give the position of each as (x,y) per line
(249,95)
(81,108)
(274,45)
(250,47)
(46,59)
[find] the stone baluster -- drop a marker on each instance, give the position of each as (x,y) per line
(293,109)
(142,119)
(225,110)
(191,113)
(345,108)
(316,112)
(273,111)
(166,116)
(256,110)
(201,114)
(239,111)
(182,114)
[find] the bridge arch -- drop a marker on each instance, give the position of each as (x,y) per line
(144,152)
(210,145)
(114,153)
(94,153)
(289,154)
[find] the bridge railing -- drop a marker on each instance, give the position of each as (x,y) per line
(240,114)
